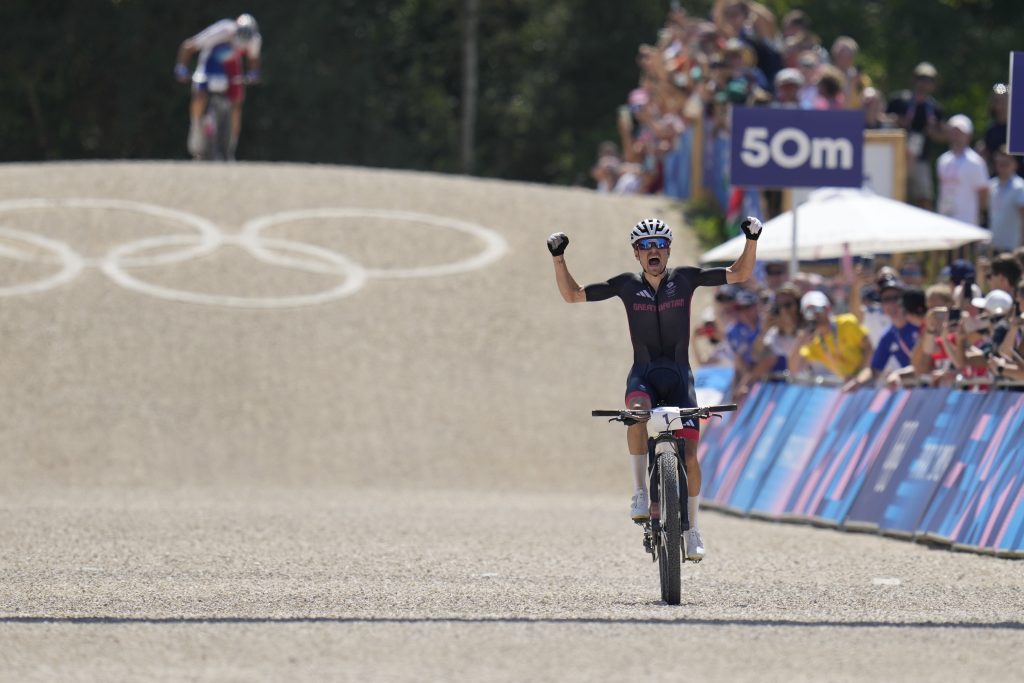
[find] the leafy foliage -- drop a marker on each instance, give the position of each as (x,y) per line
(379,83)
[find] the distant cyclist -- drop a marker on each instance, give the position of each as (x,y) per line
(221,48)
(657,302)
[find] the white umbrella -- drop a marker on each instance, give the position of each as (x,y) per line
(870,224)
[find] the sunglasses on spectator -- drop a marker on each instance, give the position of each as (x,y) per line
(653,243)
(774,271)
(787,304)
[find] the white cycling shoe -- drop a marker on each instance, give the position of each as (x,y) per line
(694,545)
(640,509)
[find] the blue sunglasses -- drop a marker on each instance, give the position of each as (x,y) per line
(652,243)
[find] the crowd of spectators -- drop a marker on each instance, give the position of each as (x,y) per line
(698,69)
(868,326)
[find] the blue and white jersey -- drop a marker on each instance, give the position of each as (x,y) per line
(894,348)
(741,338)
(218,41)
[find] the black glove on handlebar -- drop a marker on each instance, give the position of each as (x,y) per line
(557,243)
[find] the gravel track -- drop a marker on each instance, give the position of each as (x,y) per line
(198,493)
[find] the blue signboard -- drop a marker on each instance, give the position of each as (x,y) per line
(797,148)
(1015,115)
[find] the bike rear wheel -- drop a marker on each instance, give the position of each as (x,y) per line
(670,536)
(218,141)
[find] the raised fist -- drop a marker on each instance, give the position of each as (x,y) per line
(751,227)
(557,243)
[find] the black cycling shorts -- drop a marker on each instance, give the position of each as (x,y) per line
(664,382)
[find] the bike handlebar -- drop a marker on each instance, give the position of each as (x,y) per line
(243,79)
(702,411)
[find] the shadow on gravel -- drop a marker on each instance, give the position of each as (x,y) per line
(770,623)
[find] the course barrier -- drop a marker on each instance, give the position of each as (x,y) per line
(937,465)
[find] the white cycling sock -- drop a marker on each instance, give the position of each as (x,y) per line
(692,505)
(639,471)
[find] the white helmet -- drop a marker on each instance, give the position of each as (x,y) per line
(650,227)
(247,28)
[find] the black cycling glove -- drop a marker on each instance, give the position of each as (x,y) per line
(751,227)
(557,243)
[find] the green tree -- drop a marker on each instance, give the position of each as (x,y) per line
(379,84)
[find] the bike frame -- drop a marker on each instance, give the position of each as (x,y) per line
(216,118)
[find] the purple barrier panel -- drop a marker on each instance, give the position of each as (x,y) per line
(900,484)
(1006,535)
(718,443)
(790,403)
(845,484)
(713,386)
(955,505)
(810,417)
(995,508)
(725,458)
(925,470)
(1003,531)
(827,487)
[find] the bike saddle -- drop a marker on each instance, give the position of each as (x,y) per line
(664,381)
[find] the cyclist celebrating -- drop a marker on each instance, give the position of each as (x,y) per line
(657,302)
(220,47)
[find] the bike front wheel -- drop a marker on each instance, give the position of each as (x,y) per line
(670,536)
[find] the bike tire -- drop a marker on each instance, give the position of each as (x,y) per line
(218,145)
(671,536)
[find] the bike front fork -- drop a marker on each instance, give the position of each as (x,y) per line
(655,479)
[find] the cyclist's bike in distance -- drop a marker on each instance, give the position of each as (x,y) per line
(663,532)
(216,119)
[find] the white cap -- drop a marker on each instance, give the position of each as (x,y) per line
(813,299)
(961,123)
(997,302)
(789,75)
(958,292)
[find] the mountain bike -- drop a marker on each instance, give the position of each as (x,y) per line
(663,532)
(216,119)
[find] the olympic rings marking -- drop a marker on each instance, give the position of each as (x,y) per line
(355,276)
(306,257)
(494,250)
(211,236)
(71,263)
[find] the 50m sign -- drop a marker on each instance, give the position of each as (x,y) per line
(793,148)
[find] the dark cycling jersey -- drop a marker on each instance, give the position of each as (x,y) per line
(659,322)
